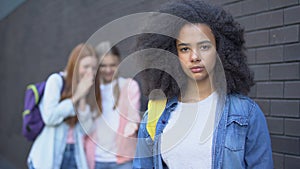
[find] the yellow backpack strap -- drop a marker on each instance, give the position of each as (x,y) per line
(155,110)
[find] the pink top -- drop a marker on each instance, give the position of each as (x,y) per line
(129,95)
(70,136)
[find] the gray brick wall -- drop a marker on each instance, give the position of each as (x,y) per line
(37,37)
(272,39)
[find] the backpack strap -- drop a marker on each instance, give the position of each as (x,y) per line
(35,92)
(155,110)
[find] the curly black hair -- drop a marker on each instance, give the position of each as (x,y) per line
(230,42)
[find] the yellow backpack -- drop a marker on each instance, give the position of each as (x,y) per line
(155,110)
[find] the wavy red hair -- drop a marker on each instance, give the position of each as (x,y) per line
(72,79)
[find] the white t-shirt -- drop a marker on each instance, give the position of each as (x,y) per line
(186,141)
(107,124)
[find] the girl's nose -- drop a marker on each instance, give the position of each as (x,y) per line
(195,56)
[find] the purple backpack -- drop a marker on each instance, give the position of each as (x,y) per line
(33,123)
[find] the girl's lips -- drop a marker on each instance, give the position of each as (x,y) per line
(197,69)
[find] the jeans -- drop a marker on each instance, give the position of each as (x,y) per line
(113,165)
(69,158)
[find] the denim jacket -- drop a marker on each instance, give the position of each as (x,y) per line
(241,139)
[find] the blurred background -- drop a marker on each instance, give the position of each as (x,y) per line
(36,37)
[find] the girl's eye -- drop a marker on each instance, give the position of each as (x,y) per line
(204,47)
(184,49)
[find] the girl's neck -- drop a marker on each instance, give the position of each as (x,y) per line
(197,90)
(107,82)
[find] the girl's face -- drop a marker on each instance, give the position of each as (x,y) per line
(196,48)
(87,65)
(108,67)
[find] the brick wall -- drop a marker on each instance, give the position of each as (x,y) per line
(37,37)
(272,39)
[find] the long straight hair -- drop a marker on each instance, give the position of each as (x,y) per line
(105,49)
(72,79)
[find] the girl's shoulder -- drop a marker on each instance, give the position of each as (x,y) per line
(55,78)
(127,82)
(241,105)
(122,81)
(239,100)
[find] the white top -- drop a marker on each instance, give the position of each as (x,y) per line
(107,124)
(108,113)
(186,141)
